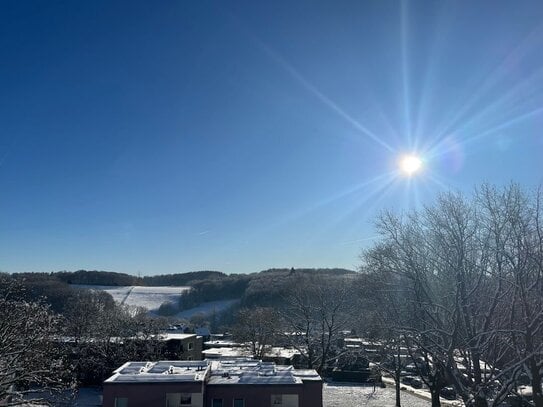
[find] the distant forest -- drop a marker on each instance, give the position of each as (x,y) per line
(256,289)
(95,277)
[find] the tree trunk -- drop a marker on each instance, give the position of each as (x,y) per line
(436,402)
(536,385)
(480,401)
(397,384)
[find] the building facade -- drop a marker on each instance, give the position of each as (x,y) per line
(182,346)
(218,383)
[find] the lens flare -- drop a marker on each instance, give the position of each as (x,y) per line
(410,164)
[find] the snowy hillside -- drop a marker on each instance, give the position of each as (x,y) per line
(147,297)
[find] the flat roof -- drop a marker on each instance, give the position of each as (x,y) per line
(242,371)
(216,353)
(248,372)
(273,352)
(168,336)
(162,371)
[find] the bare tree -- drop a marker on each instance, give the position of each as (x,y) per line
(315,310)
(516,217)
(398,319)
(257,326)
(29,357)
(103,334)
(471,271)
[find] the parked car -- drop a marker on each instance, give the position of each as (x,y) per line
(416,383)
(448,393)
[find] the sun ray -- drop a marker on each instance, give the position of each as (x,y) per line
(442,26)
(372,195)
(437,180)
(495,76)
(515,94)
(504,125)
(404,33)
(322,97)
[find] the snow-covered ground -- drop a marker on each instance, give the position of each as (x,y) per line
(148,297)
(152,297)
(352,395)
(82,397)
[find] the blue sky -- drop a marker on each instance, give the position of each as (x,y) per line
(169,136)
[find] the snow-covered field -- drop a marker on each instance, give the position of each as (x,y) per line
(352,395)
(147,297)
(152,297)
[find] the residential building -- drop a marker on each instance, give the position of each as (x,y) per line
(182,346)
(251,383)
(166,383)
(276,354)
(219,383)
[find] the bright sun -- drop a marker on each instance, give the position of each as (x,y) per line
(410,164)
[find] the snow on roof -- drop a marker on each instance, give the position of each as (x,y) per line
(175,336)
(362,341)
(273,352)
(162,371)
(248,371)
(280,352)
(216,353)
(226,371)
(307,374)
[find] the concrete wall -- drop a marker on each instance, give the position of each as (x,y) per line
(312,395)
(260,395)
(149,394)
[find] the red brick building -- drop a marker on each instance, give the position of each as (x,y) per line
(227,383)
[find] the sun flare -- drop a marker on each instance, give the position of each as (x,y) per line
(410,164)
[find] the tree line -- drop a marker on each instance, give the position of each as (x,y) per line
(461,282)
(454,289)
(54,337)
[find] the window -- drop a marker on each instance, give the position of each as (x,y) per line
(216,403)
(121,401)
(178,399)
(239,403)
(191,345)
